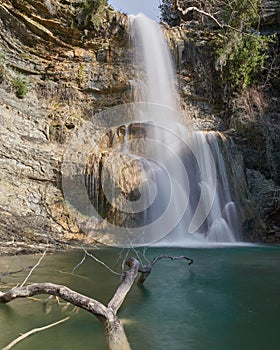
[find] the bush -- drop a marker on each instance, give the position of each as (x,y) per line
(241,58)
(91,13)
(20,86)
(242,51)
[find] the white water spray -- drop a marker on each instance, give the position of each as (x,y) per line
(203,209)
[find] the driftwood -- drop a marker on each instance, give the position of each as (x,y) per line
(114,332)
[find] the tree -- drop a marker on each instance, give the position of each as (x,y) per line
(168,13)
(239,47)
(107,315)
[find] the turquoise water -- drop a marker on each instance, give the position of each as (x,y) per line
(229,299)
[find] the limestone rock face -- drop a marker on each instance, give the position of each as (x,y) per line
(57,69)
(258,141)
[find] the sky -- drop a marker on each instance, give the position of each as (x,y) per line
(147,7)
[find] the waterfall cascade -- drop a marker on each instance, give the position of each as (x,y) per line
(154,180)
(189,166)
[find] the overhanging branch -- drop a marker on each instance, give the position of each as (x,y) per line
(193,8)
(221,25)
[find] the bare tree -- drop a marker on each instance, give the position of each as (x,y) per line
(220,13)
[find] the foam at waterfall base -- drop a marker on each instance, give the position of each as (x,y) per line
(198,240)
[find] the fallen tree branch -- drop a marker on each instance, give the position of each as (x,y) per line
(114,332)
(125,286)
(146,269)
(77,299)
(115,335)
(31,332)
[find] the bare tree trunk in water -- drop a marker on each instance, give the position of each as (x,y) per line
(114,332)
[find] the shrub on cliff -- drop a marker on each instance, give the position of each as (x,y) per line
(240,50)
(20,86)
(91,14)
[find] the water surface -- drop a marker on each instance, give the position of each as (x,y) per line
(227,300)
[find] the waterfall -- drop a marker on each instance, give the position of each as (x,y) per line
(153,56)
(152,179)
(186,167)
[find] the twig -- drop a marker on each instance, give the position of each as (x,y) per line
(119,257)
(144,254)
(33,268)
(33,331)
(3,274)
(171,258)
(124,260)
(71,273)
(80,263)
(101,262)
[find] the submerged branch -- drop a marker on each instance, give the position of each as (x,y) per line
(31,332)
(172,258)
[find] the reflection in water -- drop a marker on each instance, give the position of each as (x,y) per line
(228,299)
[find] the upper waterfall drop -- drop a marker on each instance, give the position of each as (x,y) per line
(153,56)
(200,185)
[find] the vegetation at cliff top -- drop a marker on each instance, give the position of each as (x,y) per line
(240,49)
(92,13)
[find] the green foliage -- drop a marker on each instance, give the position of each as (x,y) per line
(20,86)
(241,14)
(241,58)
(242,50)
(91,14)
(2,72)
(96,20)
(2,67)
(81,73)
(93,5)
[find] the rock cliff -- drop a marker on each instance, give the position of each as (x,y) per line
(60,63)
(56,70)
